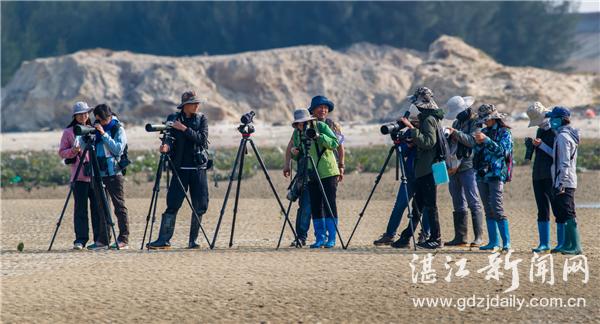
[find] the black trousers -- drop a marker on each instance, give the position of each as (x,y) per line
(426,199)
(197,183)
(564,205)
(82,192)
(318,207)
(542,190)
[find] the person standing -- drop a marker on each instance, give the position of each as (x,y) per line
(70,149)
(541,176)
(187,150)
(463,184)
(564,176)
(493,162)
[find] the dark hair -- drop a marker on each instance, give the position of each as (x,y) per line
(74,122)
(566,120)
(502,123)
(103,111)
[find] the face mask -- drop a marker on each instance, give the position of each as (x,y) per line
(545,125)
(464,115)
(555,123)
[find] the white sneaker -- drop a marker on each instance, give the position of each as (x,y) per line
(78,246)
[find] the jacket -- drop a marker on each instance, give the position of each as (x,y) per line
(196,134)
(111,150)
(542,162)
(464,135)
(491,155)
(564,155)
(327,143)
(425,138)
(67,142)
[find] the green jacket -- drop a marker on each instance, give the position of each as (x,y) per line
(327,165)
(425,138)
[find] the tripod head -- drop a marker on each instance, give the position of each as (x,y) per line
(246,128)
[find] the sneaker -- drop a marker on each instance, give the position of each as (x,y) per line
(423,237)
(401,244)
(156,245)
(193,246)
(78,246)
(430,245)
(122,246)
(295,243)
(97,246)
(384,240)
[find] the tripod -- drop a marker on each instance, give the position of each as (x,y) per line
(246,130)
(165,163)
(303,175)
(399,169)
(98,184)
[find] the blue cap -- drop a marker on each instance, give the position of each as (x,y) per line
(320,100)
(559,112)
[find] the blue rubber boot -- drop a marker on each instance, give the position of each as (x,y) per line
(544,232)
(505,234)
(330,224)
(319,226)
(492,229)
(574,238)
(560,237)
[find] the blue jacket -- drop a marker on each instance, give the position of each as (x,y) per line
(111,149)
(491,155)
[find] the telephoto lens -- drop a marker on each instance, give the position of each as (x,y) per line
(529,148)
(159,127)
(389,128)
(312,133)
(82,130)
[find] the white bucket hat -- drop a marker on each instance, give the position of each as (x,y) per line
(81,107)
(456,105)
(536,113)
(301,115)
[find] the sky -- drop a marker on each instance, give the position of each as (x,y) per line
(589,6)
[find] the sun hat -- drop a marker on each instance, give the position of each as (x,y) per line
(487,112)
(302,115)
(81,107)
(320,100)
(536,113)
(456,105)
(188,97)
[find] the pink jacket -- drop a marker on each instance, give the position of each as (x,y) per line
(65,151)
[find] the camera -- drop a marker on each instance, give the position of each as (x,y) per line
(247,118)
(160,127)
(82,130)
(395,130)
(312,133)
(529,148)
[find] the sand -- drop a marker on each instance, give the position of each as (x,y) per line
(252,282)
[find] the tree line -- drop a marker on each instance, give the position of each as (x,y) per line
(514,33)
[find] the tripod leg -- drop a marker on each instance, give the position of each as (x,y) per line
(283,228)
(72,185)
(187,198)
(237,192)
(408,208)
(155,191)
(102,192)
(262,165)
(377,179)
(329,210)
(231,176)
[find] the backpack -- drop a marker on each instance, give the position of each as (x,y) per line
(123,161)
(443,147)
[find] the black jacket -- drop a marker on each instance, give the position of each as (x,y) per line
(542,163)
(196,134)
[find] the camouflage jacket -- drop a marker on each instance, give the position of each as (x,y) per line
(491,157)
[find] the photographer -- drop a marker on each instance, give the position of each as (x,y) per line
(70,149)
(187,148)
(321,150)
(111,144)
(408,149)
(425,138)
(463,184)
(564,176)
(320,107)
(542,178)
(493,162)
